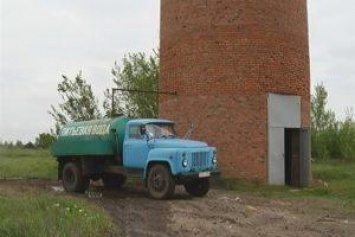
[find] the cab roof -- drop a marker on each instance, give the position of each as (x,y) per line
(148,121)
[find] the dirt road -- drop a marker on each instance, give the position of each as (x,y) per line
(221,213)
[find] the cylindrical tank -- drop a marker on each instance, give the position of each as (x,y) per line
(91,138)
(223,58)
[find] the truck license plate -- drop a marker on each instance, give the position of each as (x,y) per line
(204,174)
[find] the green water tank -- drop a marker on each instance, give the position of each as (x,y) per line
(91,138)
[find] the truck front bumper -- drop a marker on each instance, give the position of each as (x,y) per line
(198,175)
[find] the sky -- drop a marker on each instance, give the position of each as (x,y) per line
(41,40)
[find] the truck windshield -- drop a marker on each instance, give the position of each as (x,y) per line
(165,130)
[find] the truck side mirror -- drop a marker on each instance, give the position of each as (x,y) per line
(143,130)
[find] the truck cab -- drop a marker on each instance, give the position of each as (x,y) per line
(112,149)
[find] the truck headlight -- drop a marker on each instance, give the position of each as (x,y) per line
(184,162)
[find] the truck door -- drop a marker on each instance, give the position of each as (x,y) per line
(135,148)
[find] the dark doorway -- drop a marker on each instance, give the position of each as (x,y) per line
(292,157)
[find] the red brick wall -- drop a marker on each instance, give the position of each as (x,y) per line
(223,57)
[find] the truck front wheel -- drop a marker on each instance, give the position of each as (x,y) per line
(73,180)
(161,184)
(198,187)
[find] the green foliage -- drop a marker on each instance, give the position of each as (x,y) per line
(322,118)
(347,138)
(139,72)
(19,144)
(46,215)
(79,102)
(331,139)
(8,144)
(26,163)
(45,140)
(29,145)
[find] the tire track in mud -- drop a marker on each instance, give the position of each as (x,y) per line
(136,213)
(220,213)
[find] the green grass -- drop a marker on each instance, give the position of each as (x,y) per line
(26,163)
(340,176)
(37,213)
(47,215)
(332,180)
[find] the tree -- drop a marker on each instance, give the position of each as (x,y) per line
(321,117)
(9,144)
(139,72)
(324,127)
(19,144)
(45,140)
(79,102)
(29,145)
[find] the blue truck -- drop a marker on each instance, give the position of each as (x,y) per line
(112,149)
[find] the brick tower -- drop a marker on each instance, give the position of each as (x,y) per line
(241,72)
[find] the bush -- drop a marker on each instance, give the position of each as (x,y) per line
(335,142)
(346,140)
(331,139)
(45,140)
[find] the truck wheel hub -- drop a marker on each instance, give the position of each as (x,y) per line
(158,181)
(69,177)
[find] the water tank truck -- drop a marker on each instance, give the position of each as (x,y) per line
(112,149)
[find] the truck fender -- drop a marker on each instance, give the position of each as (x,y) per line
(160,157)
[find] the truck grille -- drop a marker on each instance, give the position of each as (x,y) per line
(199,159)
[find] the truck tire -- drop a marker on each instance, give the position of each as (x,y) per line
(114,180)
(73,180)
(198,187)
(161,184)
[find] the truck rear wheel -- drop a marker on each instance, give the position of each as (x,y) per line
(73,180)
(198,187)
(161,184)
(114,180)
